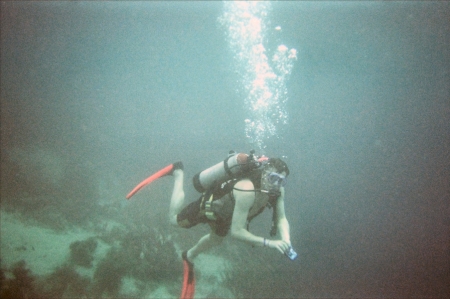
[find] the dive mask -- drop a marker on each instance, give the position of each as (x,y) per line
(276,178)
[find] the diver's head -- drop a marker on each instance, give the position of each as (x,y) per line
(273,176)
(279,165)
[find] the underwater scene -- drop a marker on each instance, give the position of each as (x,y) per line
(97,96)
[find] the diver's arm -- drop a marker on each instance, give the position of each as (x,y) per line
(244,201)
(282,222)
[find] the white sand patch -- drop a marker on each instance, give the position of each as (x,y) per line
(132,288)
(129,286)
(160,292)
(42,249)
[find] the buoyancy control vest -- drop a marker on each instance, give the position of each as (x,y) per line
(217,183)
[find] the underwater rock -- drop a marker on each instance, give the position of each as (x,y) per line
(21,286)
(82,252)
(64,282)
(109,273)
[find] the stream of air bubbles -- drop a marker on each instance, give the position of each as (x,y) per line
(263,80)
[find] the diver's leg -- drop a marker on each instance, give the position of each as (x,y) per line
(177,200)
(205,243)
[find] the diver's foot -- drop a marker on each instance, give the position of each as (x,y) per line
(188,289)
(175,166)
(185,258)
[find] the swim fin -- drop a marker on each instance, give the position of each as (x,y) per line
(188,289)
(168,170)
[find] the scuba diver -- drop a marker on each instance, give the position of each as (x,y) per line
(234,191)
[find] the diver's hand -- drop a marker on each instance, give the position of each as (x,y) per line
(279,245)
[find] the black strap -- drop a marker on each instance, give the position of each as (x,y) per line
(272,204)
(273,230)
(225,166)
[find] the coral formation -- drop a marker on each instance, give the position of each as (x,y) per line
(145,256)
(109,273)
(21,286)
(65,282)
(82,252)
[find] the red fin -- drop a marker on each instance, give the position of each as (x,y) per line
(188,289)
(150,179)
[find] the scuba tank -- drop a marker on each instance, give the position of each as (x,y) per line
(233,166)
